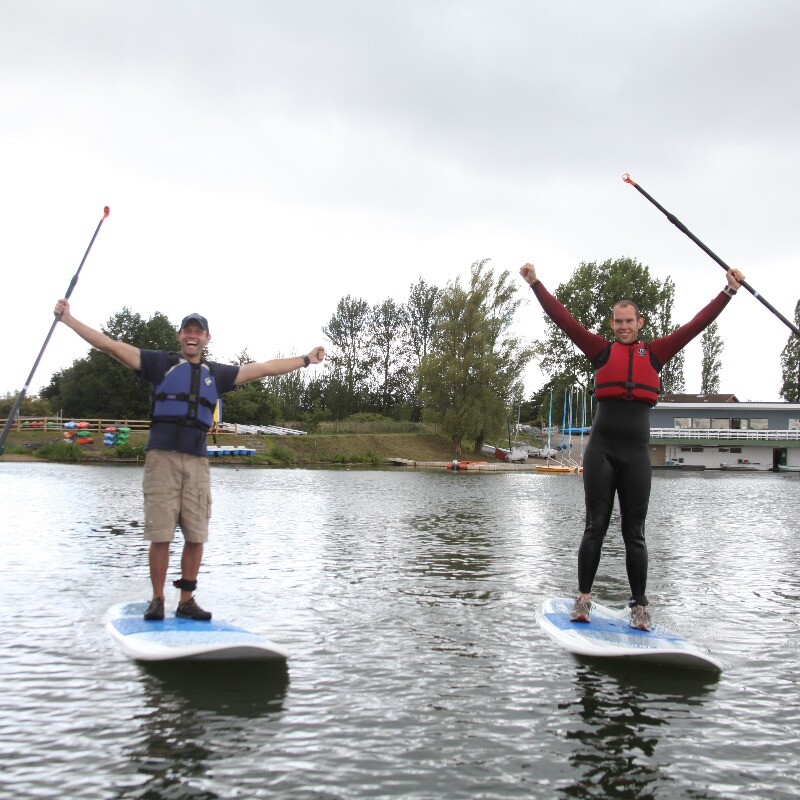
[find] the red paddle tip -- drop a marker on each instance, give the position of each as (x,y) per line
(106,211)
(627,178)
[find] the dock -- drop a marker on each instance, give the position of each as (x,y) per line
(492,466)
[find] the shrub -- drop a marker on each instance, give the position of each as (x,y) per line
(281,454)
(128,450)
(60,451)
(17,450)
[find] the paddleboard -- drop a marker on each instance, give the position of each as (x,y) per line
(609,635)
(173,639)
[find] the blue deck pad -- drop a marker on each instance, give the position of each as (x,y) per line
(609,635)
(605,625)
(129,625)
(185,632)
(176,638)
(611,631)
(177,630)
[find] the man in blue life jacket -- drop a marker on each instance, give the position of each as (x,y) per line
(177,486)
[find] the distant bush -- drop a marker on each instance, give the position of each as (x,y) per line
(371,423)
(129,450)
(60,451)
(373,458)
(281,454)
(17,450)
(358,458)
(368,417)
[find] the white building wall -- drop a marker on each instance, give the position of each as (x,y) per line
(719,458)
(793,457)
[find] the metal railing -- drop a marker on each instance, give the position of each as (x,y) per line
(724,434)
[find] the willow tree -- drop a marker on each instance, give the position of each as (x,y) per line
(473,366)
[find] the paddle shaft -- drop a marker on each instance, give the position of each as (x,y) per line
(15,410)
(681,227)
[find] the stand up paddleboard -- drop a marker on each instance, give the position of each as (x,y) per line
(173,639)
(609,635)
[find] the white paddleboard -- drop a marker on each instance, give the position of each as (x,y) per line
(173,639)
(609,635)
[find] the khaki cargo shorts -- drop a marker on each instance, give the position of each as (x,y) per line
(177,491)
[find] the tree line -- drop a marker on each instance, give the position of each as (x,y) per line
(447,355)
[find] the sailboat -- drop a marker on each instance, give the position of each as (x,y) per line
(515,453)
(566,464)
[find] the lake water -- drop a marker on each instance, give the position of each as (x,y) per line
(407,600)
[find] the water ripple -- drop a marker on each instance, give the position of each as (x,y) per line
(408,603)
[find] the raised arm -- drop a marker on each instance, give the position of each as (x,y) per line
(278,366)
(590,344)
(665,347)
(123,352)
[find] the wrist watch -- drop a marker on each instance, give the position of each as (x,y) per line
(306,361)
(729,290)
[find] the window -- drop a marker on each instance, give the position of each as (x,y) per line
(701,423)
(794,425)
(721,424)
(736,449)
(739,424)
(759,424)
(682,422)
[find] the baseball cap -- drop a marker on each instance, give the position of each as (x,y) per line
(198,318)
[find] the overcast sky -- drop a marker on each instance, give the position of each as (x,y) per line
(264,159)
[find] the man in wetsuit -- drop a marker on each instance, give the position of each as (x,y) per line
(176,483)
(616,459)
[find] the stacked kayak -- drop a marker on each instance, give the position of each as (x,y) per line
(77,433)
(112,435)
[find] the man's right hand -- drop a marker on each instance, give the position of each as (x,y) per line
(528,272)
(62,309)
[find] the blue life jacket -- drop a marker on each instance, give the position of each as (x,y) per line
(187,395)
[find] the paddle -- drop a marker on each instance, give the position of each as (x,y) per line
(681,227)
(13,413)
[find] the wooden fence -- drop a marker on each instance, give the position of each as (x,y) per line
(98,425)
(57,423)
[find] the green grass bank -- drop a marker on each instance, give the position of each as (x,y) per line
(326,448)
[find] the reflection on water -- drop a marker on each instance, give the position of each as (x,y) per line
(193,715)
(622,710)
(407,602)
(456,545)
(240,689)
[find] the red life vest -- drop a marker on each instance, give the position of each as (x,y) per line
(627,372)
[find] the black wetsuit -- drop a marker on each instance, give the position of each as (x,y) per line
(616,460)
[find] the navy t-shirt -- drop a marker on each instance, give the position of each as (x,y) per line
(170,435)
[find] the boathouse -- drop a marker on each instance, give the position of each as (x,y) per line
(719,432)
